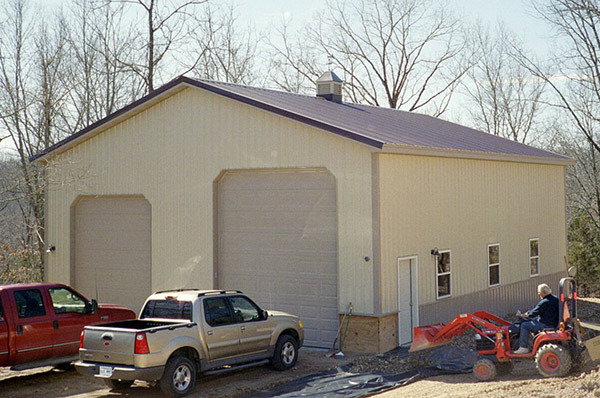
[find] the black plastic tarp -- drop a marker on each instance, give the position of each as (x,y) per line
(338,383)
(341,382)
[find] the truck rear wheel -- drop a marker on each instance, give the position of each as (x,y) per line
(553,360)
(286,353)
(179,377)
(118,384)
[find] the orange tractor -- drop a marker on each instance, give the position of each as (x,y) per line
(555,351)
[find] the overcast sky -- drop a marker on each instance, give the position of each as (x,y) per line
(517,15)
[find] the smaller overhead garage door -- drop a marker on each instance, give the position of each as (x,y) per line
(113,249)
(277,234)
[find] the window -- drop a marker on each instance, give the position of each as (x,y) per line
(534,257)
(216,311)
(29,303)
(244,309)
(1,312)
(65,301)
(169,308)
(494,264)
(443,274)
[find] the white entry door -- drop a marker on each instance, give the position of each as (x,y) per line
(408,308)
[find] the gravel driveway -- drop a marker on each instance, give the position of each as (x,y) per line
(49,382)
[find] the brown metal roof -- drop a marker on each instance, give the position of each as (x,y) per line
(370,125)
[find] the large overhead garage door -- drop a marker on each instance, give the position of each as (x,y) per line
(113,249)
(277,242)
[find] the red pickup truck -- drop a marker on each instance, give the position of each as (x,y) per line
(41,323)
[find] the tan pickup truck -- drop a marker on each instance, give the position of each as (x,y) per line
(184,332)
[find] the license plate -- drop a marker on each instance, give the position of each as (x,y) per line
(106,371)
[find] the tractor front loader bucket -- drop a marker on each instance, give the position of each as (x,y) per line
(593,344)
(429,336)
(425,337)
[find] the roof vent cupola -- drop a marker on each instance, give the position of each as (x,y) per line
(329,86)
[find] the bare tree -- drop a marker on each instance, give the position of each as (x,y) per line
(169,26)
(574,77)
(33,92)
(100,41)
(405,54)
(16,107)
(227,52)
(295,65)
(507,98)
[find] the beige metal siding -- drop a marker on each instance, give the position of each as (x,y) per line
(464,205)
(172,153)
(277,238)
(113,255)
(503,300)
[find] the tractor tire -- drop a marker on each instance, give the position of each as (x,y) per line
(179,377)
(504,368)
(484,370)
(553,360)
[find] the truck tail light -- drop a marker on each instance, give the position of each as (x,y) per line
(141,344)
(81,339)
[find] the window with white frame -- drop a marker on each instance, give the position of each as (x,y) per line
(534,257)
(494,264)
(443,267)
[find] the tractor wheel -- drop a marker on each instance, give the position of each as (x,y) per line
(553,360)
(484,370)
(504,368)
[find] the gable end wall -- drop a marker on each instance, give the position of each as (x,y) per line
(172,153)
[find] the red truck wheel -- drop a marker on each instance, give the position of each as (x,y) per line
(553,360)
(484,370)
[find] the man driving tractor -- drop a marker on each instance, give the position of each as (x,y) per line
(543,316)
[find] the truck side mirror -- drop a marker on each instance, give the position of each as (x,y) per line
(265,314)
(92,307)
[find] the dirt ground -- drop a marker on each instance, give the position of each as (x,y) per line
(49,382)
(524,381)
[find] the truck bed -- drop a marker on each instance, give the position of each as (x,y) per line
(115,342)
(142,324)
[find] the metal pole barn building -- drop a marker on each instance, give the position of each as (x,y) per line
(308,204)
